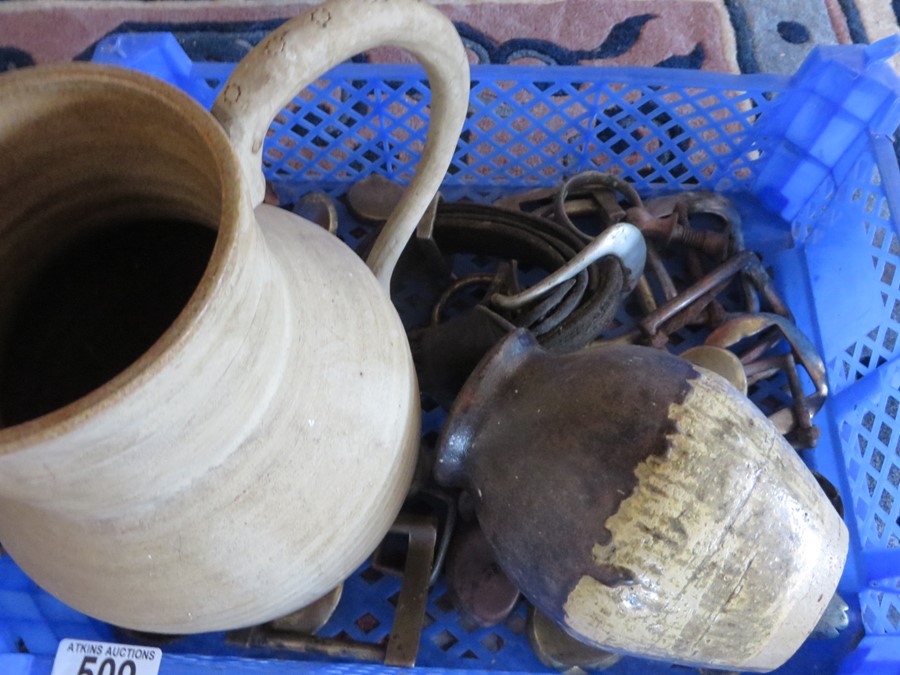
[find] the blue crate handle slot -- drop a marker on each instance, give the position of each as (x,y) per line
(160,55)
(818,129)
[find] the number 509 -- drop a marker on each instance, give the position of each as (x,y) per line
(106,667)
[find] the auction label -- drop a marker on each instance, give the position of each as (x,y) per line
(85,657)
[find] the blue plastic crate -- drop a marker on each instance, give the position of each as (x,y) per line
(810,164)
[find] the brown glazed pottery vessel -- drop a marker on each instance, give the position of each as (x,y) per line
(644,504)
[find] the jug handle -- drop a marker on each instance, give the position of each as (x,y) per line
(307,46)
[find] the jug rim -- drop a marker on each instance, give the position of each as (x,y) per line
(234,208)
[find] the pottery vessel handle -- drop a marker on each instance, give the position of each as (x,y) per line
(304,48)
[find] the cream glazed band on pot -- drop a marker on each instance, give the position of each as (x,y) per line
(261,446)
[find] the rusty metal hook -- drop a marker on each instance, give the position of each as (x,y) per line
(794,421)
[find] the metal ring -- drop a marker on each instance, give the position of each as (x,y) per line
(591,180)
(455,287)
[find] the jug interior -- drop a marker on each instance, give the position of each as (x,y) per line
(109,203)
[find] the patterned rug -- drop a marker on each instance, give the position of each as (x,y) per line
(720,35)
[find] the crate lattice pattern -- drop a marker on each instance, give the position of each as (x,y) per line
(865,205)
(870,442)
(444,638)
(869,434)
(881,611)
(526,132)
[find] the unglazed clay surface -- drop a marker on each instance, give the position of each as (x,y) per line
(259,450)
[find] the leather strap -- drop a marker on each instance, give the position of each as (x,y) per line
(572,315)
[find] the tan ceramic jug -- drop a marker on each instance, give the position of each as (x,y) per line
(256,451)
